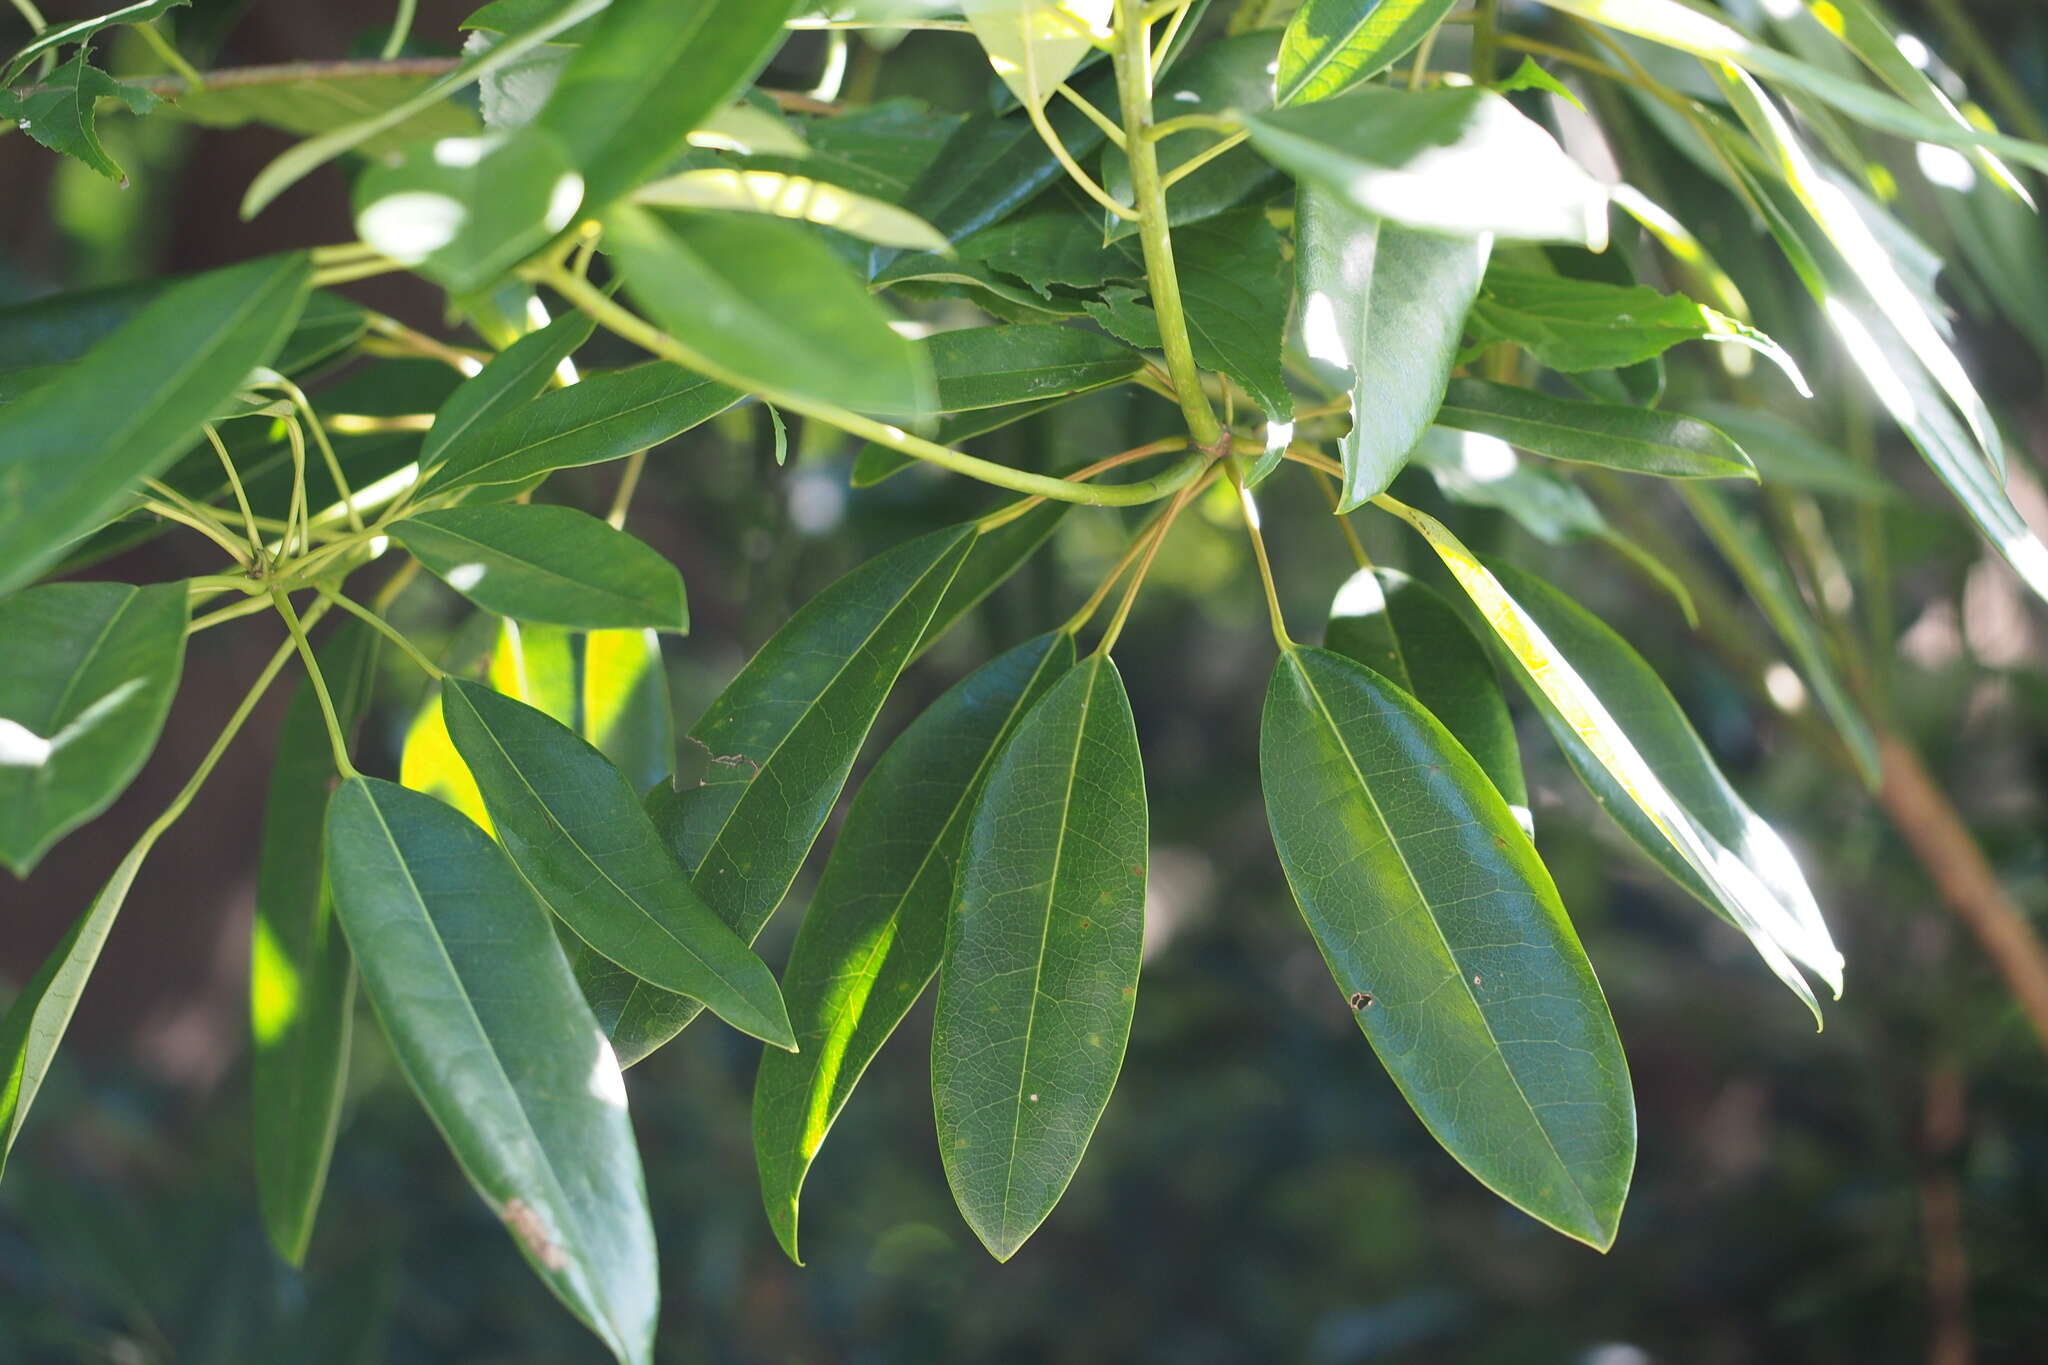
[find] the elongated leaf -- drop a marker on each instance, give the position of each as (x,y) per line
(1332,45)
(485,1020)
(603,417)
(1407,633)
(317,100)
(783,195)
(1787,456)
(83,695)
(551,565)
(779,743)
(295,163)
(991,559)
(302,981)
(874,933)
(68,456)
(648,74)
(1654,777)
(1218,79)
(574,827)
(625,710)
(61,329)
(1455,160)
(1574,325)
(60,112)
(989,367)
(771,305)
(1446,936)
(1383,308)
(1614,436)
(1034,45)
(81,31)
(463,211)
(519,373)
(1041,959)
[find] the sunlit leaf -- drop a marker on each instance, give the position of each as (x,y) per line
(1332,45)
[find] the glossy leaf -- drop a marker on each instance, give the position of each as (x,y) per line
(551,565)
(1034,45)
(1218,79)
(648,74)
(1406,632)
(486,1023)
(1787,456)
(1654,776)
(625,704)
(84,689)
(464,211)
(783,195)
(1382,309)
(1455,160)
(518,373)
(1573,325)
(603,417)
(1332,45)
(1041,959)
(574,827)
(874,933)
(302,981)
(777,746)
(1448,942)
(991,558)
(1633,440)
(990,367)
(770,304)
(68,456)
(60,111)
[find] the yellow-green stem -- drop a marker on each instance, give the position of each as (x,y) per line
(335,736)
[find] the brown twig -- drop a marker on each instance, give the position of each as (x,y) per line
(1944,1118)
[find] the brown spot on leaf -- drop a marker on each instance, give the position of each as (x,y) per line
(532,1232)
(1361,1000)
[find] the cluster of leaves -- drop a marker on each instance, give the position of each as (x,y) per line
(1409,272)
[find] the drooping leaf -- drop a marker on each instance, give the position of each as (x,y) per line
(1787,456)
(1034,45)
(84,689)
(777,746)
(769,303)
(518,373)
(1041,957)
(1407,633)
(574,827)
(648,74)
(58,36)
(551,565)
(1231,74)
(68,456)
(875,931)
(325,101)
(1573,325)
(1458,160)
(1382,309)
(1654,776)
(463,211)
(486,1023)
(1447,939)
(625,704)
(603,417)
(784,195)
(1631,439)
(302,981)
(60,112)
(1332,45)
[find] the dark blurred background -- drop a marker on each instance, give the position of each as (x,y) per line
(1258,1190)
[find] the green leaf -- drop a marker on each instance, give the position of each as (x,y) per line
(1455,160)
(1405,632)
(603,417)
(1219,79)
(1332,45)
(1041,960)
(1787,456)
(59,113)
(648,74)
(1573,325)
(1482,471)
(82,31)
(1034,45)
(784,195)
(1654,778)
(574,828)
(1633,440)
(1234,292)
(312,105)
(778,744)
(991,367)
(1382,311)
(60,329)
(484,1018)
(875,931)
(302,981)
(68,456)
(465,210)
(551,565)
(83,695)
(1447,939)
(518,373)
(771,305)
(1764,574)
(878,149)
(991,558)
(625,710)
(1530,76)
(296,162)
